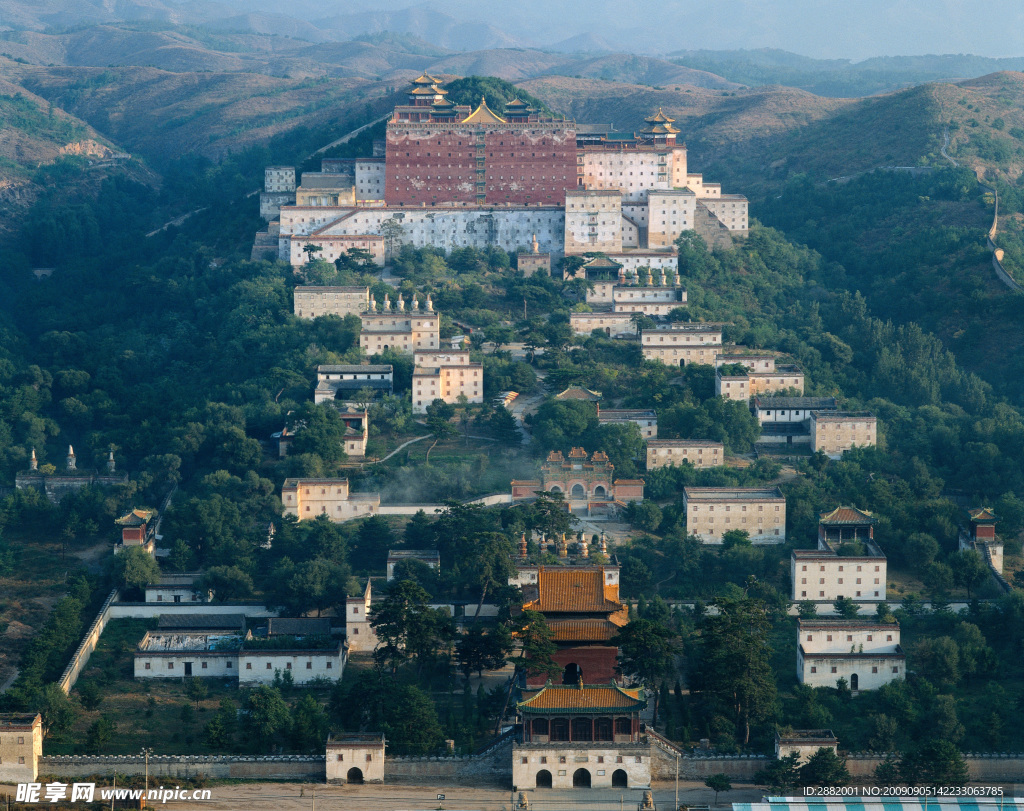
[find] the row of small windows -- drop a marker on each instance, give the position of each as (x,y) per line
(248,665)
(814,669)
(803,581)
(822,594)
(728,508)
(822,568)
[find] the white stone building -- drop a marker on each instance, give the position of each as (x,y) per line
(177,588)
(313,301)
(804,743)
(753,361)
(701,453)
(835,432)
(400,330)
(355,759)
(308,498)
(445,375)
(614,325)
(581,736)
(865,653)
(646,419)
(21,746)
(359,634)
(341,381)
(847,562)
(787,419)
(751,384)
(177,655)
(681,343)
(713,511)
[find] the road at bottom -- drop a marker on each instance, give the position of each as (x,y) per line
(392,797)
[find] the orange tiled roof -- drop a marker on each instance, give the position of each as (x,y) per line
(136,518)
(585,630)
(983,514)
(574,590)
(847,515)
(585,698)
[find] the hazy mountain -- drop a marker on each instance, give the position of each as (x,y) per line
(582,44)
(840,77)
(439,29)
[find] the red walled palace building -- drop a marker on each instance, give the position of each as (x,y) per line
(439,153)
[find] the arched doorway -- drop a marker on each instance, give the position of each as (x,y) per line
(572,674)
(600,492)
(619,779)
(577,491)
(854,682)
(581,779)
(355,775)
(543,779)
(555,489)
(682,362)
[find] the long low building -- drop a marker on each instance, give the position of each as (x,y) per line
(835,432)
(340,381)
(713,511)
(681,343)
(700,453)
(176,655)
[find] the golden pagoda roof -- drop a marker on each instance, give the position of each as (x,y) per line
(661,129)
(564,590)
(517,104)
(424,90)
(484,115)
(135,518)
(565,698)
(846,515)
(426,79)
(983,515)
(659,118)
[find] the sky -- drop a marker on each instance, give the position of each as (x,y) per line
(850,29)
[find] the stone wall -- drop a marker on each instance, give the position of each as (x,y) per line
(491,766)
(182,766)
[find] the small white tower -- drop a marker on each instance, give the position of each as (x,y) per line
(71,458)
(33,463)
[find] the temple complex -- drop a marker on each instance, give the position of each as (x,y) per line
(586,482)
(452,175)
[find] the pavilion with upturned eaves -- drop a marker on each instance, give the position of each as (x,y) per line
(580,736)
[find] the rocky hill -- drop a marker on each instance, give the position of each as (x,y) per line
(36,136)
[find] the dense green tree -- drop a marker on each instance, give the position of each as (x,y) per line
(266,717)
(134,568)
(937,763)
(718,783)
(537,647)
(824,769)
(781,776)
(309,724)
(735,660)
(479,649)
